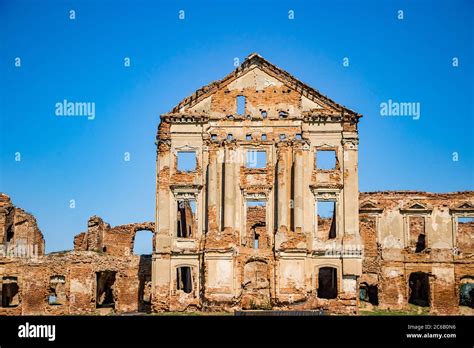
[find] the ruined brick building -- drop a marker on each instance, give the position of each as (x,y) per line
(257,207)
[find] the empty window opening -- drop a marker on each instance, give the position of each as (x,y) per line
(255,240)
(186,218)
(105,285)
(263,113)
(326,159)
(282,136)
(419,289)
(466,292)
(369,293)
(465,232)
(186,161)
(256,159)
(213,137)
(326,216)
(241,104)
(57,290)
(327,282)
(184,279)
(256,222)
(283,114)
(417,233)
(248,137)
(264,137)
(10,292)
(298,136)
(230,137)
(143,243)
(464,222)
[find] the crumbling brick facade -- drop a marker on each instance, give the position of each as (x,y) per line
(416,250)
(19,231)
(257,207)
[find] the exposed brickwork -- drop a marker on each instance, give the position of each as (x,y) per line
(18,229)
(390,226)
(403,248)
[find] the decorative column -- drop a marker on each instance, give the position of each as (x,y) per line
(212,199)
(229,189)
(163,194)
(298,190)
(351,183)
(282,173)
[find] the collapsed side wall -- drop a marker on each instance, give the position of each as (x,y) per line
(132,282)
(19,231)
(390,257)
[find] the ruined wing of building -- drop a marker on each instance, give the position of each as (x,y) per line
(257,207)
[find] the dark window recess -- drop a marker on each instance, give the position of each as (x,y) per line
(105,285)
(466,294)
(419,284)
(186,218)
(10,233)
(369,293)
(327,282)
(10,292)
(184,279)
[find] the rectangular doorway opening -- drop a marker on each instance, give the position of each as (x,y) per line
(105,284)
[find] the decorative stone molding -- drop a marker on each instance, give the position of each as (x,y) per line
(350,143)
(186,148)
(185,191)
(464,209)
(370,207)
(415,208)
(255,196)
(325,195)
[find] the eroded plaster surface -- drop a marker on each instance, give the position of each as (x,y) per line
(256,220)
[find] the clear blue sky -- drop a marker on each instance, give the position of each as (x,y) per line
(64,158)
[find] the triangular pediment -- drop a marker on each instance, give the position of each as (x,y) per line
(261,76)
(415,206)
(465,206)
(370,206)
